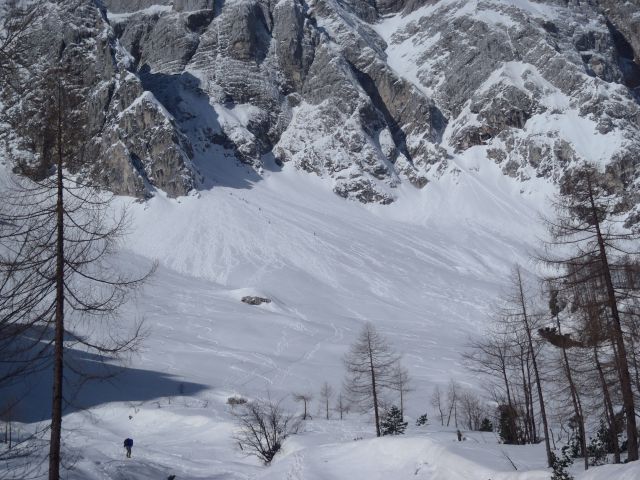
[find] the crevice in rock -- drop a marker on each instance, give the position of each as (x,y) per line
(137,164)
(190,53)
(438,123)
(369,86)
(199,21)
(628,66)
(111,90)
(165,88)
(136,51)
(61,49)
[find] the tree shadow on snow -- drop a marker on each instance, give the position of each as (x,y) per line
(89,382)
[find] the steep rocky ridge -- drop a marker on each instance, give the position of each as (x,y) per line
(368,94)
(132,145)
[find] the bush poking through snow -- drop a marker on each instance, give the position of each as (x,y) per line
(263,426)
(392,422)
(486,425)
(235,401)
(597,452)
(507,426)
(422,420)
(560,465)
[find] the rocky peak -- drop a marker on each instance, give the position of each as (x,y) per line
(368,93)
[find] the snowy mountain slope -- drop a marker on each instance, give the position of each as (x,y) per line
(522,77)
(330,265)
(424,270)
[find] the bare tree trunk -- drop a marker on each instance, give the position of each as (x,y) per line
(510,402)
(575,399)
(373,390)
(506,386)
(436,401)
(634,361)
(452,397)
(455,413)
(534,429)
(623,366)
(56,406)
(543,413)
(610,414)
(327,409)
(529,425)
(370,365)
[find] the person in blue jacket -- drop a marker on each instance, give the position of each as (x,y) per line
(128,443)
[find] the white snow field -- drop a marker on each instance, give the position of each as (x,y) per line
(424,271)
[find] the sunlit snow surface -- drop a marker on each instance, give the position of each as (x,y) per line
(424,270)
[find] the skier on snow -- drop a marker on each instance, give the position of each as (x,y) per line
(128,443)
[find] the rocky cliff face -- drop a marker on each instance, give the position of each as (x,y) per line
(367,93)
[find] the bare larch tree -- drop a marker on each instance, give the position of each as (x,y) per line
(522,322)
(438,402)
(57,238)
(370,367)
(17,19)
(341,405)
(401,384)
(304,398)
(589,246)
(326,392)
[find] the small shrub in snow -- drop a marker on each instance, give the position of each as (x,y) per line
(236,400)
(560,465)
(606,435)
(486,425)
(597,451)
(507,427)
(574,447)
(600,445)
(263,426)
(422,420)
(392,422)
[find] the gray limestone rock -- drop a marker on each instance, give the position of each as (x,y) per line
(127,6)
(193,5)
(254,300)
(131,144)
(337,90)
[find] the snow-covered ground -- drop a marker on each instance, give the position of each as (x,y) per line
(424,270)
